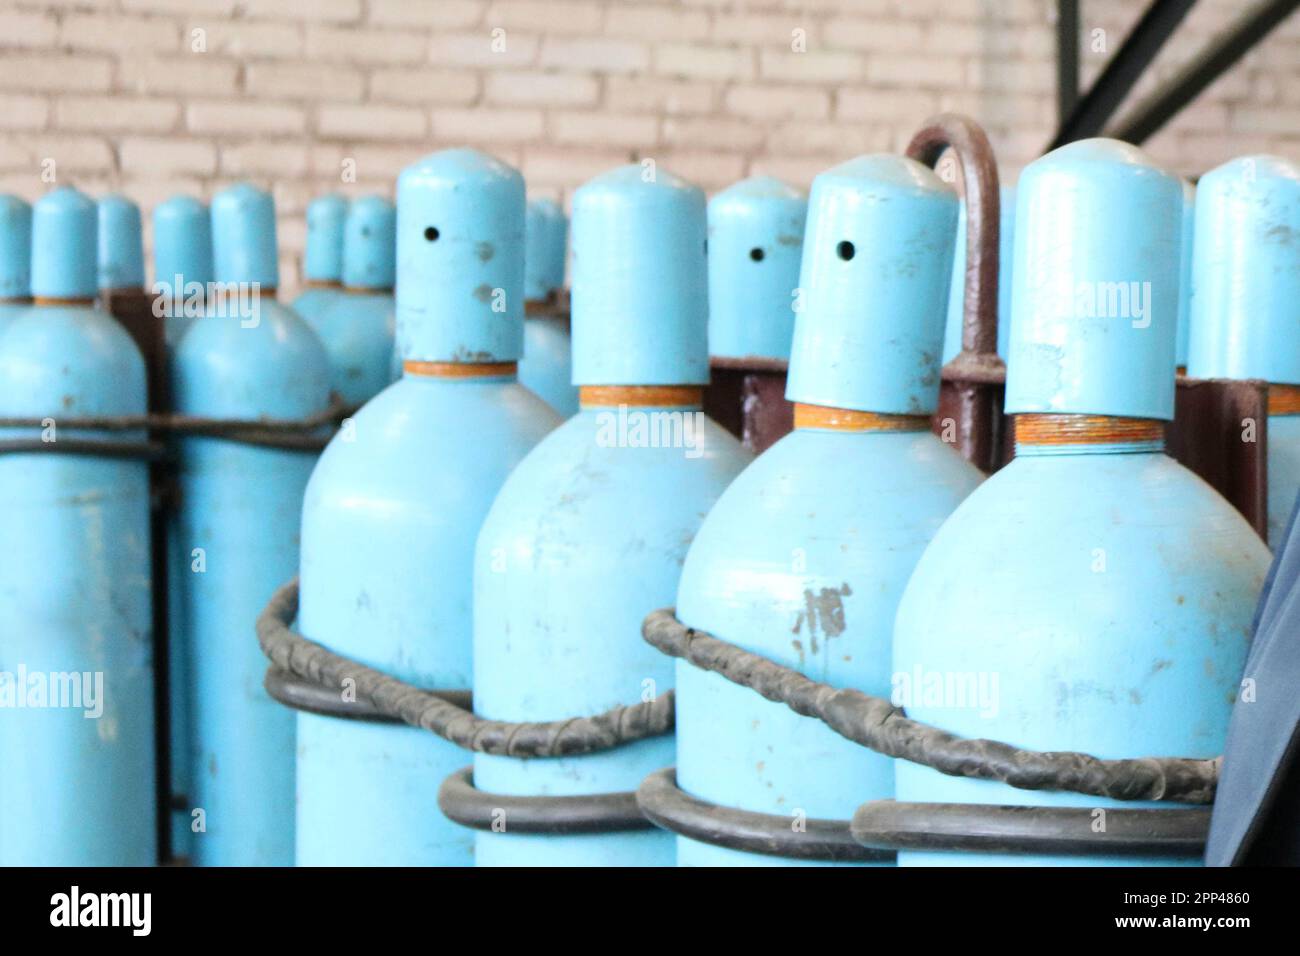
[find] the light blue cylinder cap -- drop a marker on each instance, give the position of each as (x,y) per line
(640,305)
(1182,338)
(1095,283)
(370,244)
(121,244)
(877,258)
(326,217)
(15,248)
(460,259)
(243,236)
(755,249)
(182,242)
(1246,272)
(547,235)
(65,245)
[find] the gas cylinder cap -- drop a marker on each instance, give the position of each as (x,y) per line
(460,259)
(546,234)
(369,244)
(64,245)
(182,242)
(243,236)
(1246,272)
(326,216)
(877,255)
(640,280)
(15,248)
(755,245)
(1095,284)
(121,244)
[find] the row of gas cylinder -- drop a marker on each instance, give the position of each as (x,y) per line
(459,531)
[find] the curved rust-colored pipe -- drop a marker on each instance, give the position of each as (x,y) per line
(979,176)
(971,395)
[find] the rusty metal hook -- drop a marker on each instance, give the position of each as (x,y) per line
(978,360)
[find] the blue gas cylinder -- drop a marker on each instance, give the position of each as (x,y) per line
(755,247)
(15,258)
(76,659)
(956,291)
(357,325)
(588,534)
(1093,595)
(395,504)
(322,266)
(1245,290)
(121,245)
(237,532)
(547,365)
(182,250)
(182,263)
(804,557)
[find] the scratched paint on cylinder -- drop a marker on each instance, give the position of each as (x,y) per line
(805,555)
(393,510)
(1098,592)
(237,533)
(75,604)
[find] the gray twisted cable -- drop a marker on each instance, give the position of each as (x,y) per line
(877,724)
(420,708)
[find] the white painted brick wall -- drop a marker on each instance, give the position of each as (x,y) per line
(158,96)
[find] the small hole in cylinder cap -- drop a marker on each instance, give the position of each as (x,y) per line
(845,250)
(756,254)
(430,233)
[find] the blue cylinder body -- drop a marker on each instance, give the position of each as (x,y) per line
(357,326)
(390,520)
(1246,282)
(121,244)
(804,557)
(182,262)
(76,661)
(546,368)
(1092,595)
(182,249)
(957,290)
(322,267)
(755,247)
(586,538)
(237,532)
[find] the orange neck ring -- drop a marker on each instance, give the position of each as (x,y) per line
(852,420)
(643,396)
(1284,399)
(1041,429)
(460,369)
(322,284)
(59,300)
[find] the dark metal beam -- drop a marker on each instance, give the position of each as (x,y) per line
(1140,47)
(1067,58)
(1202,70)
